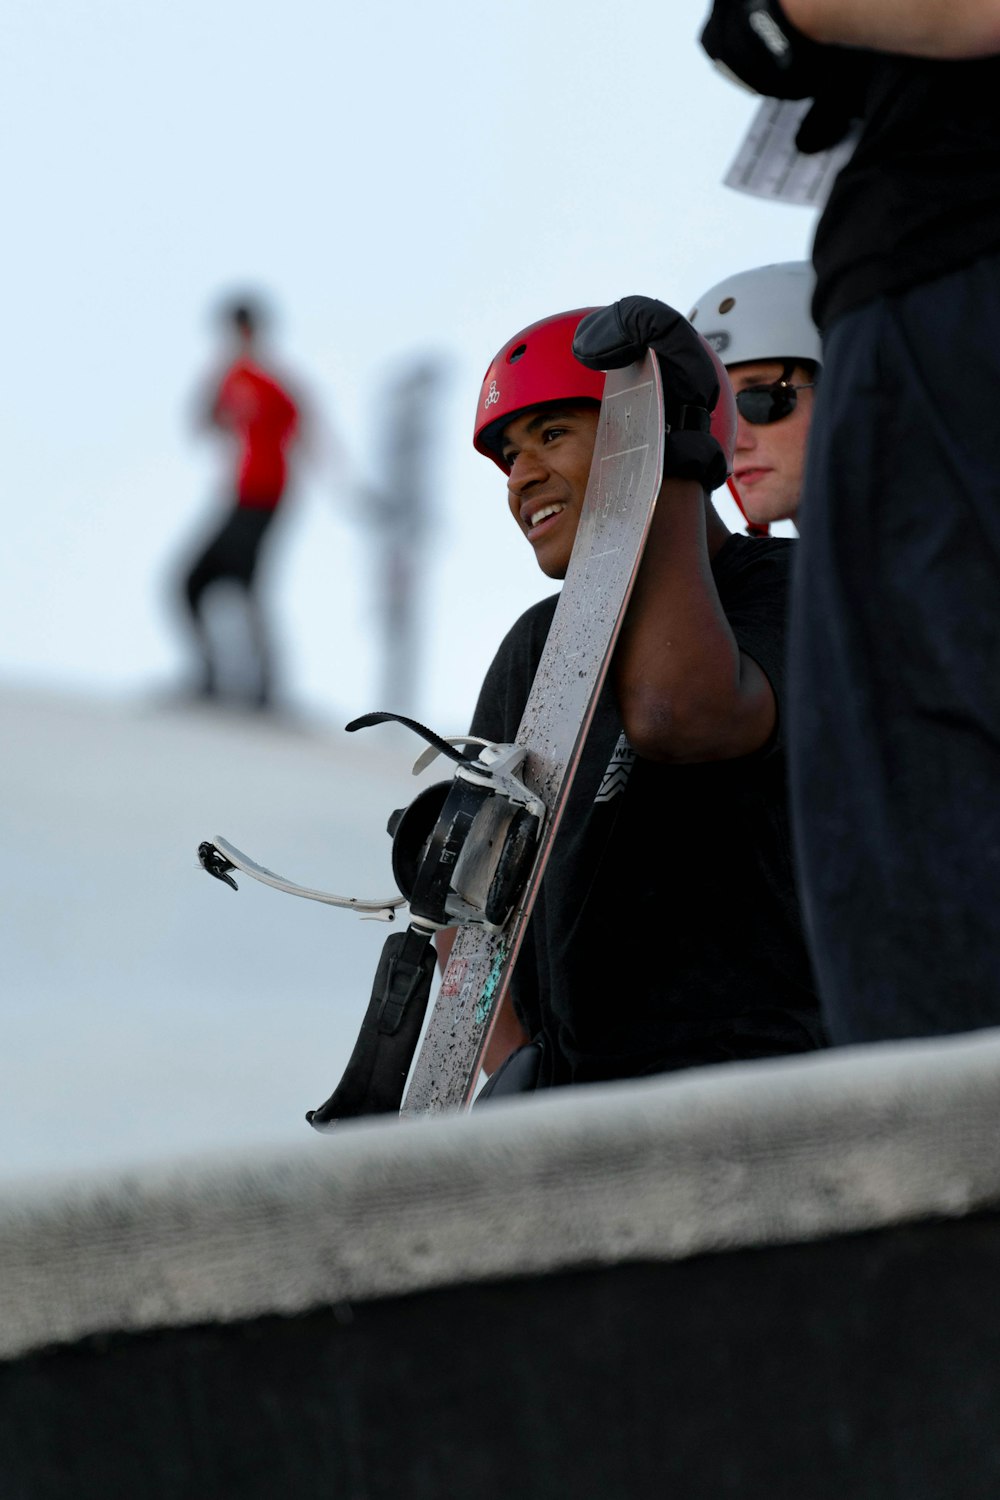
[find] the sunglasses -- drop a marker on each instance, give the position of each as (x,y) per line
(763,404)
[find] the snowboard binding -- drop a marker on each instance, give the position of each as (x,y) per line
(463,849)
(462,852)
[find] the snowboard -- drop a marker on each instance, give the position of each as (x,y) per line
(624,482)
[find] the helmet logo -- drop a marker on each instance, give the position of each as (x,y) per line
(719,341)
(492,396)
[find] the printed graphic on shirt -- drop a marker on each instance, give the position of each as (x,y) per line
(617,774)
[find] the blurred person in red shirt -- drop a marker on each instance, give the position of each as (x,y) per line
(264,423)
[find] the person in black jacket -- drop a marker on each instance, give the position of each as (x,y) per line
(894,716)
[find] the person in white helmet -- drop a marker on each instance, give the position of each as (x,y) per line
(760,324)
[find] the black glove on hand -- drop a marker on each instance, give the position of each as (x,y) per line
(620,334)
(755,42)
(839,105)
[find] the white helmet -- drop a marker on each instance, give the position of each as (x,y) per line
(761,314)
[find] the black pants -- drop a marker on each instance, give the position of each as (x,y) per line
(233,554)
(894,719)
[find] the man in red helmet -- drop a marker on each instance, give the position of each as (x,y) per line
(666,933)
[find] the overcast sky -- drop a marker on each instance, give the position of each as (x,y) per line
(402,180)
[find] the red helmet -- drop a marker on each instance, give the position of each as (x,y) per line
(723,425)
(535,366)
(538,365)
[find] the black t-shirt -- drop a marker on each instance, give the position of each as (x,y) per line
(920,196)
(667,931)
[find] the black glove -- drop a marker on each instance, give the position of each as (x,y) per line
(620,334)
(839,105)
(823,126)
(755,42)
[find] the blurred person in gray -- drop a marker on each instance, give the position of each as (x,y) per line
(760,324)
(398,513)
(254,410)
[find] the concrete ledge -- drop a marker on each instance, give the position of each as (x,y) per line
(721,1159)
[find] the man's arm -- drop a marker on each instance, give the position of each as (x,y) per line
(202,407)
(947,29)
(209,404)
(685,690)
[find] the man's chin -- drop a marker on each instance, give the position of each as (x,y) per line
(771,516)
(766,510)
(556,571)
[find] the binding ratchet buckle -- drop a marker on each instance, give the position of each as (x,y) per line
(463,849)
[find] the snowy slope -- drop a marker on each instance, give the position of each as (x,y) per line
(145,1009)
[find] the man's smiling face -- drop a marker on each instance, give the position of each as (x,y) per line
(548,451)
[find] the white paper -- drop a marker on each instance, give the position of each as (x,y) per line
(767,164)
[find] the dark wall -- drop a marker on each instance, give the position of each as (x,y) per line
(867,1366)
